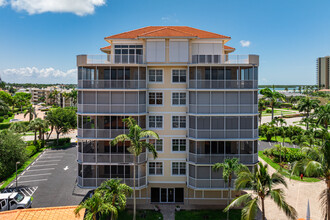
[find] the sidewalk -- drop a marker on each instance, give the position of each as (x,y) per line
(297,195)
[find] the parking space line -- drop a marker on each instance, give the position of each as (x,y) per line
(52,164)
(41,174)
(49,161)
(47,157)
(28,181)
(43,169)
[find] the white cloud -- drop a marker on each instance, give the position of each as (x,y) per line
(78,7)
(3,2)
(36,75)
(170,19)
(245,43)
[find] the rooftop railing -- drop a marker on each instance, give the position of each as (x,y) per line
(224,59)
(115,59)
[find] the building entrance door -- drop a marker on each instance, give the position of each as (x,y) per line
(167,195)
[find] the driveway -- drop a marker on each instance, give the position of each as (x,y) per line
(51,179)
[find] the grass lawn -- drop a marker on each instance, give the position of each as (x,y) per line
(150,215)
(283,171)
(25,165)
(8,119)
(277,139)
(235,214)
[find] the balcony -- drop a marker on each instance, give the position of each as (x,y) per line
(112,108)
(95,182)
(207,183)
(223,109)
(219,158)
(225,59)
(100,133)
(110,59)
(223,134)
(112,84)
(223,84)
(110,158)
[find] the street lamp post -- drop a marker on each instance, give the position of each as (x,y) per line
(16,173)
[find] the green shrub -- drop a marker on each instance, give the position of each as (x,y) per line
(5,116)
(286,105)
(61,141)
(10,114)
(268,111)
(1,119)
(31,150)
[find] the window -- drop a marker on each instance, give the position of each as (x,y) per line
(156,76)
(179,76)
(179,98)
(128,53)
(155,168)
(158,144)
(178,168)
(155,98)
(178,144)
(155,121)
(178,121)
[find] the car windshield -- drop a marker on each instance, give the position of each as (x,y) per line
(19,197)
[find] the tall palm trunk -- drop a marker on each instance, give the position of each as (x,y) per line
(272,111)
(35,136)
(134,199)
(328,198)
(229,196)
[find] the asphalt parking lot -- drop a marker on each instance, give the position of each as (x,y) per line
(51,179)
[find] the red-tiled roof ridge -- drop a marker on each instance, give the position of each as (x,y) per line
(192,31)
(106,47)
(168,27)
(228,47)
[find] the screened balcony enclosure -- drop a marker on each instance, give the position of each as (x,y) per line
(112,77)
(102,152)
(112,102)
(225,127)
(228,102)
(211,152)
(223,77)
(91,176)
(105,127)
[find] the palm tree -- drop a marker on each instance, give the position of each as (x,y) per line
(31,111)
(3,106)
(74,95)
(323,115)
(317,163)
(299,139)
(115,193)
(36,125)
(95,206)
(229,167)
(261,107)
(262,185)
(18,127)
(306,105)
(135,136)
(272,96)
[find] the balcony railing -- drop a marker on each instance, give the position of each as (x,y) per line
(223,109)
(95,182)
(112,84)
(112,108)
(207,183)
(225,59)
(219,158)
(223,84)
(110,158)
(100,133)
(224,134)
(114,59)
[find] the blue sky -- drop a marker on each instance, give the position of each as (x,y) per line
(39,42)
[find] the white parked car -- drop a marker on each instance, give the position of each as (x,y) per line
(14,200)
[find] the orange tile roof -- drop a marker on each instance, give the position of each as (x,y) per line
(166,31)
(53,213)
(228,47)
(106,48)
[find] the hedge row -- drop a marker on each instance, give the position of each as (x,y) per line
(7,124)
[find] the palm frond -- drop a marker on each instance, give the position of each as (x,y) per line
(148,134)
(151,148)
(313,168)
(250,210)
(278,197)
(129,122)
(324,202)
(239,201)
(277,178)
(120,138)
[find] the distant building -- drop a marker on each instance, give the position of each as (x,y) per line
(323,72)
(61,100)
